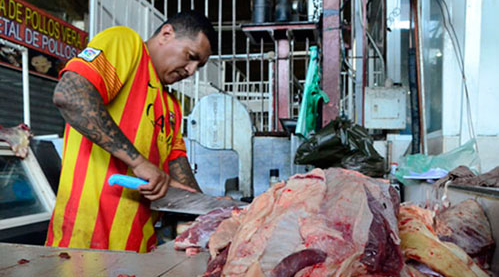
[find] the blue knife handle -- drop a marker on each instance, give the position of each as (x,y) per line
(126,181)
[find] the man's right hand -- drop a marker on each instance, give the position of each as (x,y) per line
(158,180)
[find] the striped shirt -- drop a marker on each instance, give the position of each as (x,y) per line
(89,213)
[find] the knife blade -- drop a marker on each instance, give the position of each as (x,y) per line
(178,200)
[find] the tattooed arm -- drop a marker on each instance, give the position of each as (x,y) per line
(180,170)
(83,108)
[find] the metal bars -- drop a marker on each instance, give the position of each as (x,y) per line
(249,81)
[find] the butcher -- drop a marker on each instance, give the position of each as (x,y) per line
(121,120)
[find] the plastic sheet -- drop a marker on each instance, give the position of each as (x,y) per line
(342,144)
(464,155)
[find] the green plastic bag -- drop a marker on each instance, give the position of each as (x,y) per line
(307,117)
(466,155)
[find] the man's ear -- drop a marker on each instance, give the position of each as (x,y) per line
(166,33)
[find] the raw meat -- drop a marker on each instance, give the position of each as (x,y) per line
(199,233)
(419,242)
(463,176)
(224,234)
(18,138)
(466,225)
(293,263)
(216,264)
(349,217)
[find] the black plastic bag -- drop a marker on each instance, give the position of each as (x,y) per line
(342,144)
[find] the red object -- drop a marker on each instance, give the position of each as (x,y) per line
(23,261)
(64,255)
(331,59)
(283,78)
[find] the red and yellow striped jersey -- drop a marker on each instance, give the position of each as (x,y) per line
(89,213)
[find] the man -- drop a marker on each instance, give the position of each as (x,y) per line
(121,120)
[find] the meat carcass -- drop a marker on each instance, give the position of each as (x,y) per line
(324,223)
(419,242)
(198,235)
(466,225)
(18,138)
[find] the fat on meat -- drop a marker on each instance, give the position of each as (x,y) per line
(346,219)
(224,233)
(420,242)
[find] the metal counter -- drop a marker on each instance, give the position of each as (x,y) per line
(48,261)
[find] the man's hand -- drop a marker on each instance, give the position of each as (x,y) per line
(158,180)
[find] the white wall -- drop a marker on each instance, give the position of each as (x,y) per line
(488,96)
(475,23)
(452,85)
(476,26)
(139,15)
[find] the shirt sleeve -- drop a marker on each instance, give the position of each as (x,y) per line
(178,147)
(109,60)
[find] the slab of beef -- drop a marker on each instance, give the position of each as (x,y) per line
(466,225)
(199,233)
(324,223)
(419,242)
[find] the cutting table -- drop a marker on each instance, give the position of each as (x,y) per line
(54,261)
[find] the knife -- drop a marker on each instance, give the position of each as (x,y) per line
(178,200)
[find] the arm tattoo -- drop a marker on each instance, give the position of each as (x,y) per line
(82,107)
(180,170)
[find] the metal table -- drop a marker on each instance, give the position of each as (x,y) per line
(48,261)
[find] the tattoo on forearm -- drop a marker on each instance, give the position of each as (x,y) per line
(83,108)
(180,170)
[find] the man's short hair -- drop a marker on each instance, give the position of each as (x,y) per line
(190,23)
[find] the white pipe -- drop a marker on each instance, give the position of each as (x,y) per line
(101,24)
(25,76)
(220,44)
(422,81)
(248,87)
(182,94)
(271,93)
(261,82)
(27,119)
(91,29)
(113,15)
(146,22)
(350,93)
(196,90)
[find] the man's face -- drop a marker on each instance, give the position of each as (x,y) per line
(178,57)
